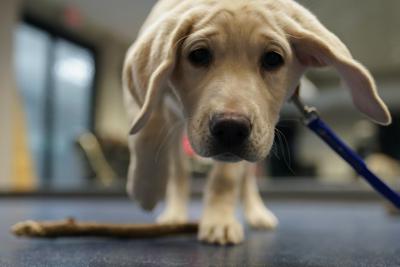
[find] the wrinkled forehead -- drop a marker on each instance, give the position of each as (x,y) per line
(242,25)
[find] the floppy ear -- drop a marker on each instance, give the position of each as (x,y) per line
(315,46)
(150,62)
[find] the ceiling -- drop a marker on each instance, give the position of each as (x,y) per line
(370,28)
(123,18)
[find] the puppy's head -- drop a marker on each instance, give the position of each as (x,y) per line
(232,65)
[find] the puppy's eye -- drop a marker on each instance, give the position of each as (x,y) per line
(201,57)
(271,61)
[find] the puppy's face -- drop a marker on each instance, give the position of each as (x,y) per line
(233,64)
(232,75)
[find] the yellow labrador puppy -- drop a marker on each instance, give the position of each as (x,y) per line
(221,70)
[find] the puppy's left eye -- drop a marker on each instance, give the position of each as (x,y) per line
(271,61)
(201,57)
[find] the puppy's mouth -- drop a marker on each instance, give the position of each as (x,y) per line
(227,154)
(220,153)
(230,154)
(227,157)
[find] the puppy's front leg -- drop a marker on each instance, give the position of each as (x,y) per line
(218,223)
(149,166)
(178,185)
(256,213)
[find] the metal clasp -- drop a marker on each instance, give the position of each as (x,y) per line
(308,113)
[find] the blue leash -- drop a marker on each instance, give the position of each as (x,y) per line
(314,122)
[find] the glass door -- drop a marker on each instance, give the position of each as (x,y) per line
(55,78)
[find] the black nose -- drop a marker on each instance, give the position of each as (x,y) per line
(230,129)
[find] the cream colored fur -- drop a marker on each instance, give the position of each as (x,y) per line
(157,73)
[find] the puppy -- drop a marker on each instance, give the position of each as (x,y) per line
(220,70)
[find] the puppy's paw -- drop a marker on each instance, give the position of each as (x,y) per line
(147,185)
(172,216)
(222,231)
(143,195)
(261,218)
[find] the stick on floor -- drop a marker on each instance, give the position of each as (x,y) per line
(71,228)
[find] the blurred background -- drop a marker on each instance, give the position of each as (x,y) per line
(63,126)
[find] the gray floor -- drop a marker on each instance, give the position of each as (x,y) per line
(311,233)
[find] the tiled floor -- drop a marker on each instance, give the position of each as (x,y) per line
(311,233)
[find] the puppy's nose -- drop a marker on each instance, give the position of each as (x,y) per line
(230,129)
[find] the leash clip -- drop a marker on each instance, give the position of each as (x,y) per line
(309,113)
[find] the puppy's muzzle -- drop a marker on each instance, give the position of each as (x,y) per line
(230,132)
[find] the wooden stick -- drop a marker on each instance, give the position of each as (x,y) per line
(70,228)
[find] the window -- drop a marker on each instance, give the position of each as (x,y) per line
(56,80)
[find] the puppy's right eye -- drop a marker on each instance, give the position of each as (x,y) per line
(271,61)
(201,57)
